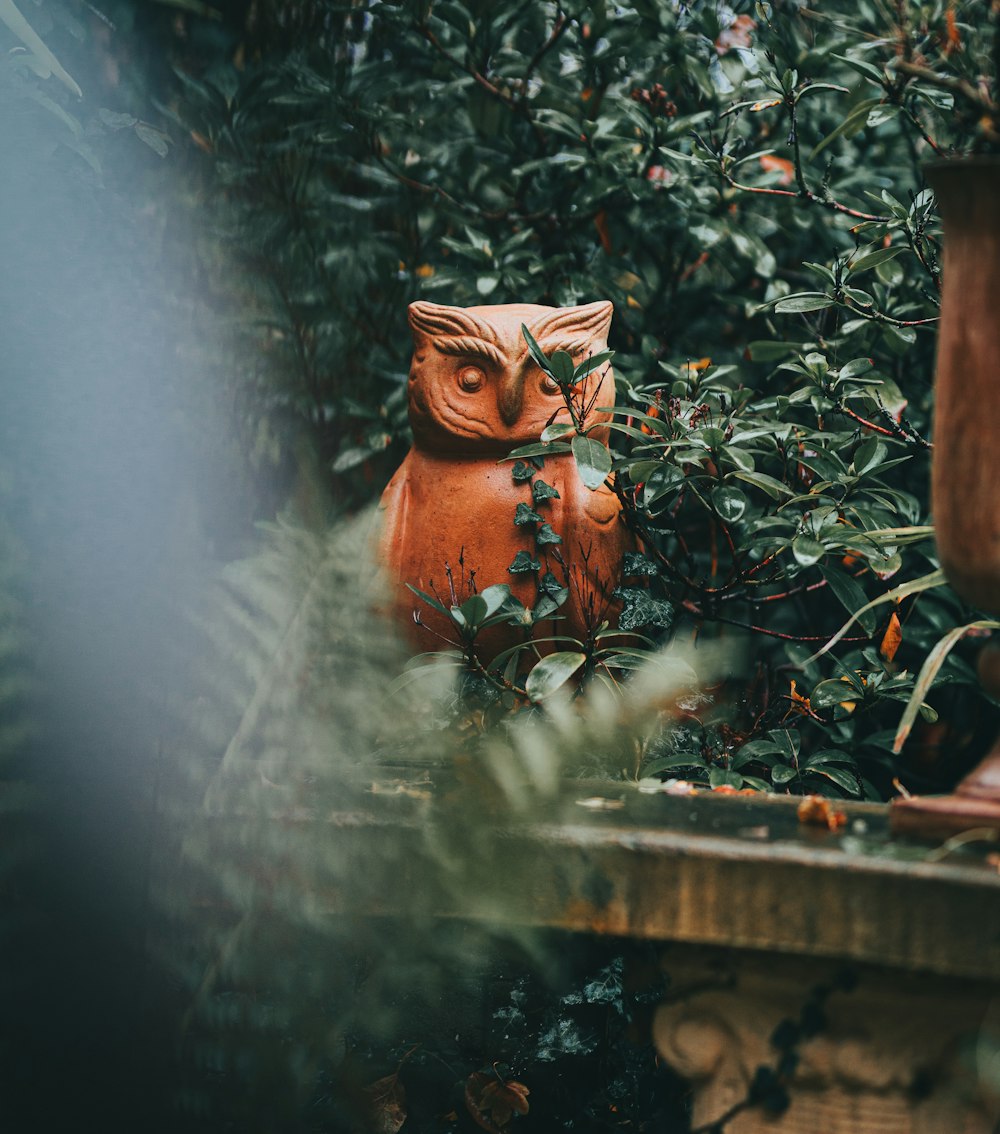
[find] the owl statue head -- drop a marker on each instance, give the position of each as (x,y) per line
(474,388)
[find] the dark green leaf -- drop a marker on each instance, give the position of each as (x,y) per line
(524,515)
(850,593)
(637,564)
(556,430)
(540,492)
(807,550)
(536,351)
(729,502)
(524,563)
(539,450)
(873,259)
(718,777)
(593,460)
(429,600)
(839,776)
(552,673)
(562,367)
(495,597)
(639,609)
(766,350)
(774,488)
(591,364)
(804,301)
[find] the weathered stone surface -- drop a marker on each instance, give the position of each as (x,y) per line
(754,911)
(894,1054)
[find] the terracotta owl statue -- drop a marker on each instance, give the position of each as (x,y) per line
(457,518)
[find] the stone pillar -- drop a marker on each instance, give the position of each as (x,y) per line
(791,1046)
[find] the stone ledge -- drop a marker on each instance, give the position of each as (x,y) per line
(738,871)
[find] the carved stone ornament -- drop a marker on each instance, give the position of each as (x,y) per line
(897,1054)
(448,515)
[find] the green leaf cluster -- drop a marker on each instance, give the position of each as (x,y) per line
(745,184)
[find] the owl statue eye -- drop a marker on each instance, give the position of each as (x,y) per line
(471,379)
(549,384)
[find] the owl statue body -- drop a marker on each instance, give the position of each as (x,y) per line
(448,515)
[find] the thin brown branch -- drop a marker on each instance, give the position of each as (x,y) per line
(519,106)
(962,87)
(789,594)
(841,408)
(691,608)
(807,195)
(915,121)
(560,25)
(481,79)
(873,315)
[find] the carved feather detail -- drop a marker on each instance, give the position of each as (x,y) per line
(592,319)
(466,345)
(433,319)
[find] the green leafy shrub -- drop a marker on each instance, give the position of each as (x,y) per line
(745,184)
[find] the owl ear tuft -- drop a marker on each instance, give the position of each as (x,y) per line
(592,320)
(437,319)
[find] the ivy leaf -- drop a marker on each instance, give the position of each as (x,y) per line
(550,585)
(522,472)
(637,564)
(524,563)
(593,461)
(639,609)
(552,673)
(540,492)
(525,515)
(545,535)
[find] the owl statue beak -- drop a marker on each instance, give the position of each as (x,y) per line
(510,397)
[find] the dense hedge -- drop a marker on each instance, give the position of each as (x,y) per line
(745,185)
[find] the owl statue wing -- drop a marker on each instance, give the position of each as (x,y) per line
(393,511)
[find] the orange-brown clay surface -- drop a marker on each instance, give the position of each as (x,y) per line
(447,516)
